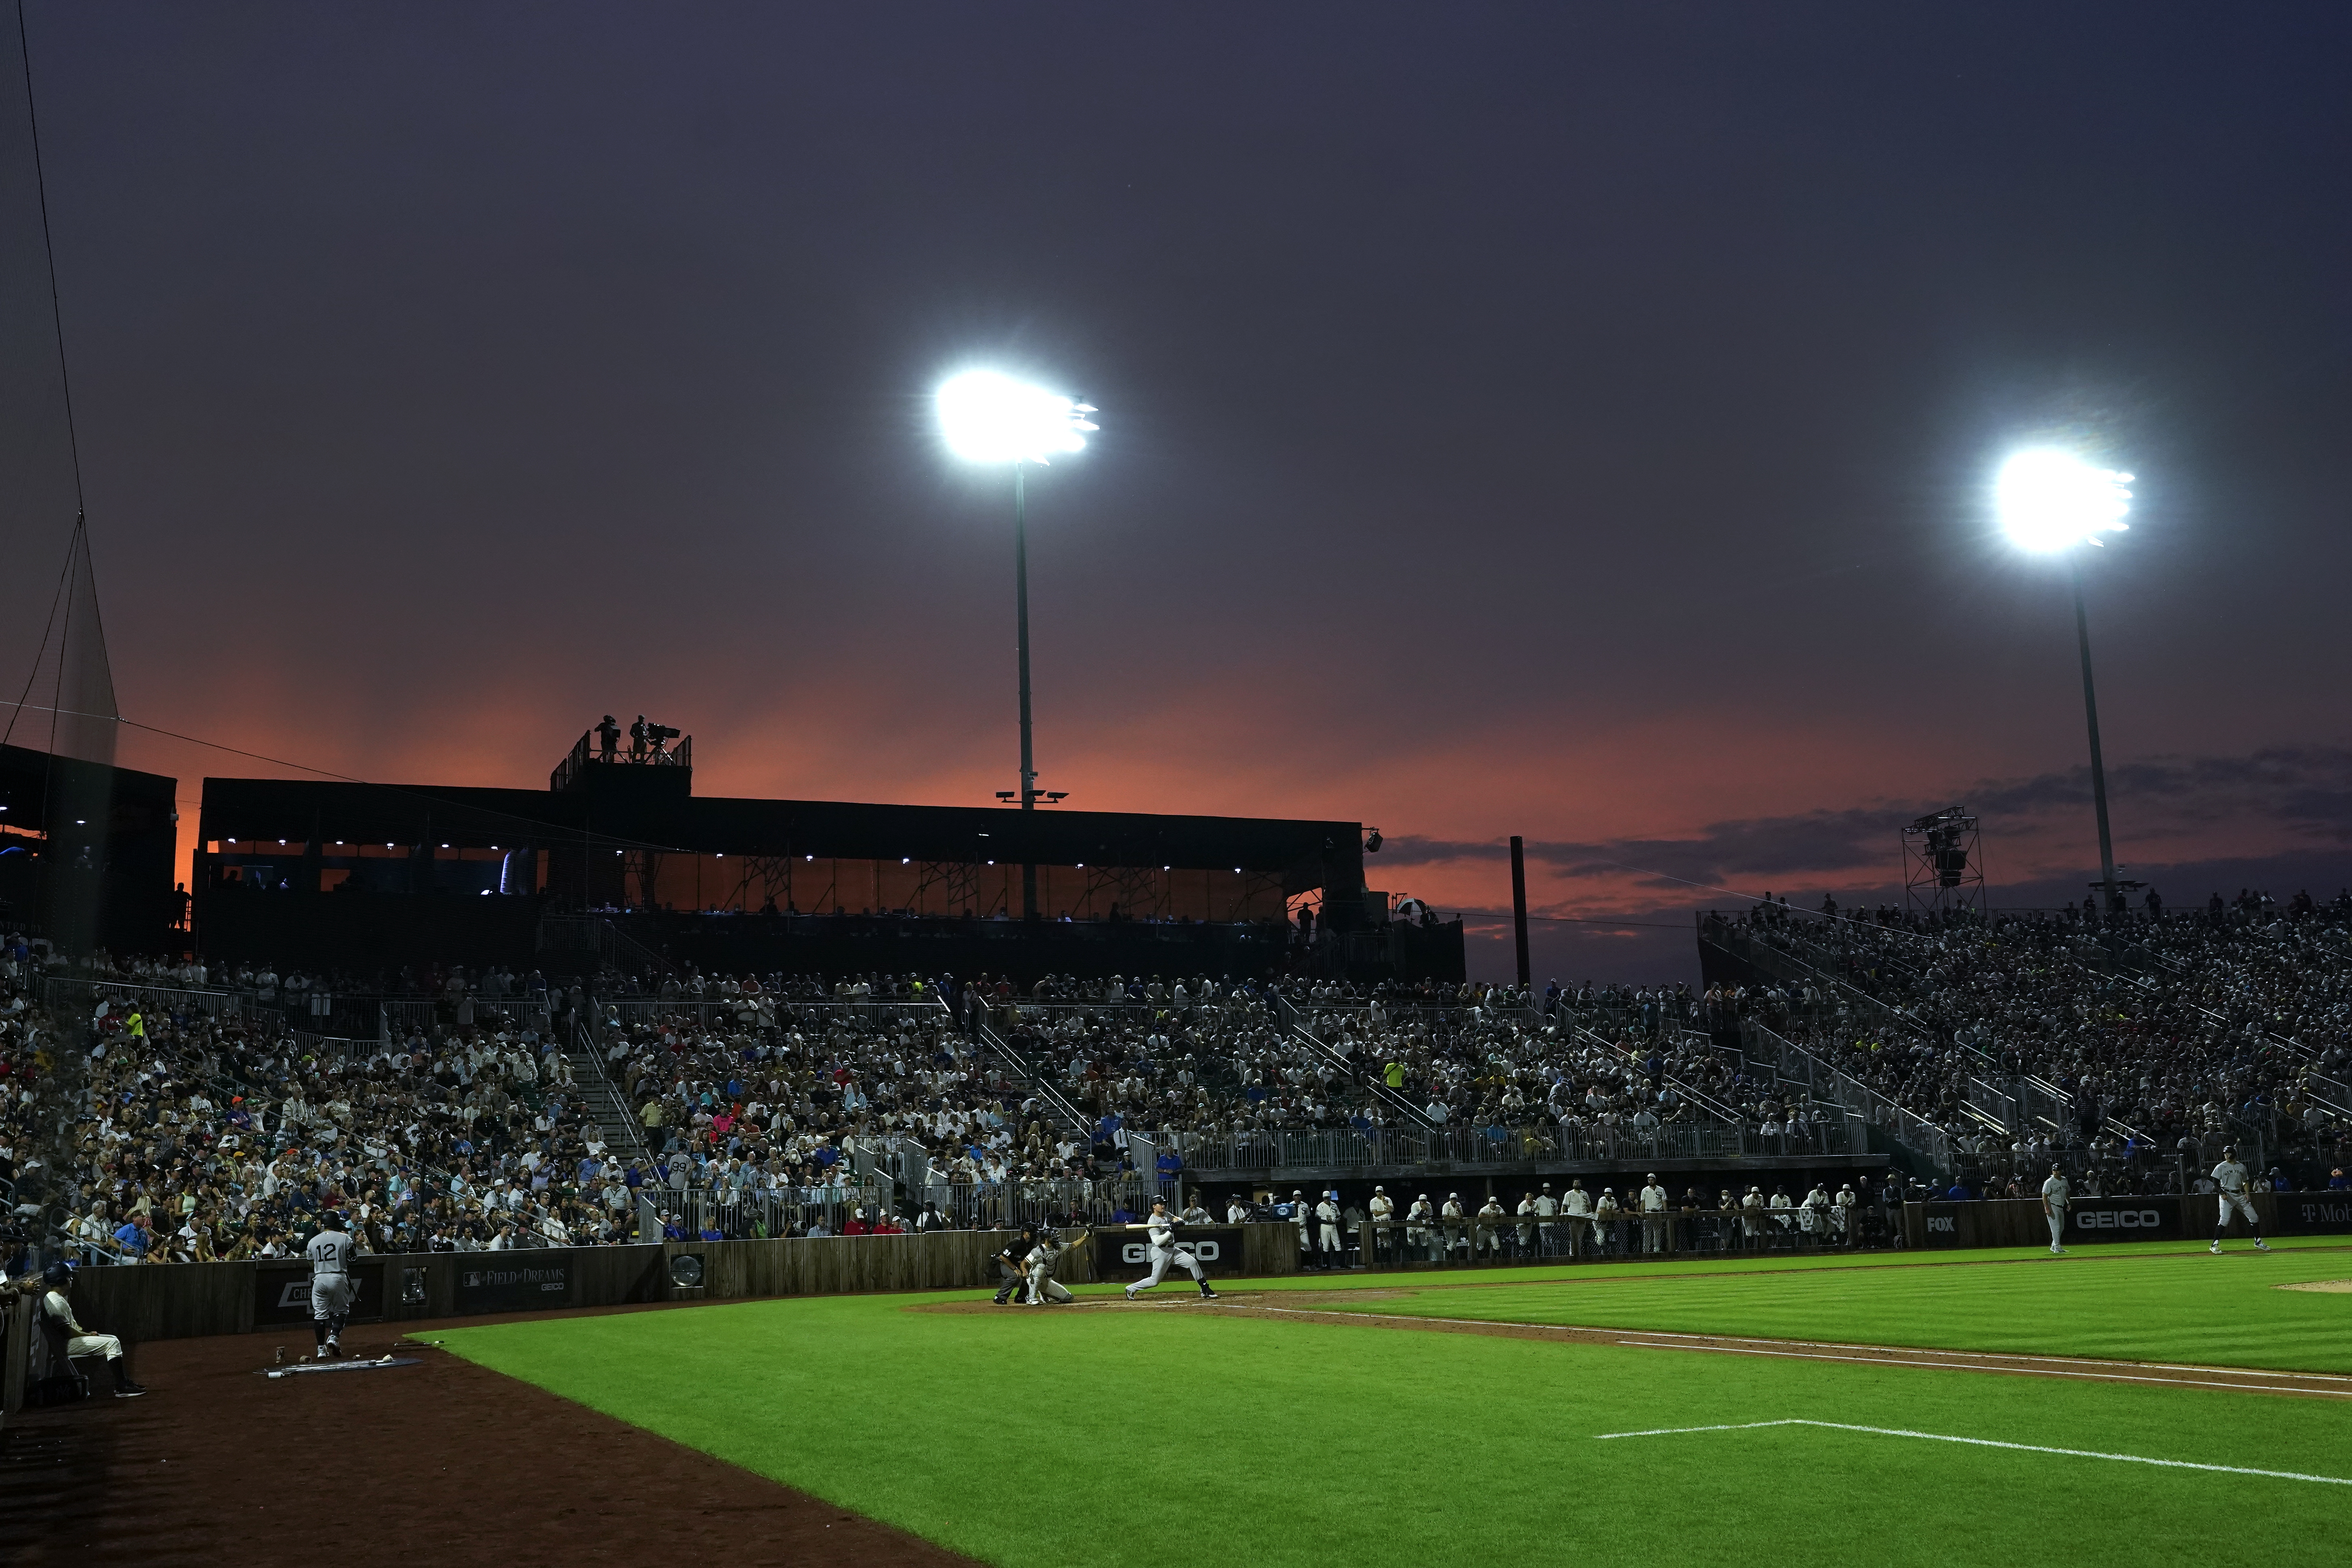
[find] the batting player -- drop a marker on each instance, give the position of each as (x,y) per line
(2053,1207)
(2231,1177)
(1042,1287)
(332,1288)
(1166,1249)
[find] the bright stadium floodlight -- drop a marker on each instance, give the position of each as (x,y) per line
(2051,501)
(988,417)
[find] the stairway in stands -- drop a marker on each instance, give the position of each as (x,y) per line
(601,1101)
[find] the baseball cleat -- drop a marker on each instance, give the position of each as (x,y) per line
(1129,1292)
(130,1391)
(2215,1249)
(2057,1252)
(1208,1294)
(320,1354)
(2260,1246)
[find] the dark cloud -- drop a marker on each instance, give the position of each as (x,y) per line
(2306,790)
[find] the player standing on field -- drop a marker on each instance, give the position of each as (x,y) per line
(332,1288)
(2231,1177)
(1166,1249)
(2053,1207)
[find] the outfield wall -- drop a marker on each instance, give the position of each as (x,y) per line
(2020,1222)
(186,1300)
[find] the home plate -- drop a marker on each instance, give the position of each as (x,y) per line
(313,1366)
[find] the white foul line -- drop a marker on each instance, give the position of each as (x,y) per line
(2038,1372)
(1986,1443)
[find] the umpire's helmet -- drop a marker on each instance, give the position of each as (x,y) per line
(57,1275)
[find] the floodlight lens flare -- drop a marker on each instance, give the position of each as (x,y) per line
(2051,501)
(986,417)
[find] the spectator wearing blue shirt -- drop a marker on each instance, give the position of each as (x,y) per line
(2337,1182)
(135,1238)
(1959,1193)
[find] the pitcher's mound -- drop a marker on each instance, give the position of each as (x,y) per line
(2334,1287)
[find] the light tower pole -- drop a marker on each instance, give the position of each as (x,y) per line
(2051,502)
(986,417)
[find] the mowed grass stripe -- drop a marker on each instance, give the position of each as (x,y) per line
(2174,1306)
(1043,1438)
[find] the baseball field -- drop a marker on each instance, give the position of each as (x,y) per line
(2136,1404)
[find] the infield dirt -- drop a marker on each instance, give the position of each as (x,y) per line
(444,1462)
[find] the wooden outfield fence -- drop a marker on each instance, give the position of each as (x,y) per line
(183,1301)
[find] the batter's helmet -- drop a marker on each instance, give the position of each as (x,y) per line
(57,1274)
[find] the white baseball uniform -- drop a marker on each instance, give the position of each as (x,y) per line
(2054,1193)
(78,1339)
(332,1288)
(1160,1231)
(2231,1177)
(1043,1285)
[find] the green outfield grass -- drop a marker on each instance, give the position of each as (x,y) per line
(1094,1437)
(2142,1300)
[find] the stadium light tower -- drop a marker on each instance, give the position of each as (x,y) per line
(986,417)
(2050,503)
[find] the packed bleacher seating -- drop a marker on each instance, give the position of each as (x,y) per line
(2137,1039)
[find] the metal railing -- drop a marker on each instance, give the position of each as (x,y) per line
(1827,1084)
(1533,1144)
(1476,1240)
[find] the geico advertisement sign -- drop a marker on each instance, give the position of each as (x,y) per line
(2124,1219)
(1137,1254)
(1132,1248)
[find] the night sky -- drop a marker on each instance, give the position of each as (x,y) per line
(1563,420)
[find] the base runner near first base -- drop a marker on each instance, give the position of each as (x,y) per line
(2231,1177)
(332,1288)
(1166,1249)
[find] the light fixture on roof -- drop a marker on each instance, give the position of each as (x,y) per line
(2051,501)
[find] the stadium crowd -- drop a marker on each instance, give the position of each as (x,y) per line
(2143,1037)
(180,1110)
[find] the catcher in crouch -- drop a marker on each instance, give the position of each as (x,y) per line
(1042,1287)
(1166,1249)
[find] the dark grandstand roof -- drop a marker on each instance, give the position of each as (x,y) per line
(638,811)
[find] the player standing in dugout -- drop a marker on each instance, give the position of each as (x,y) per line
(1166,1249)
